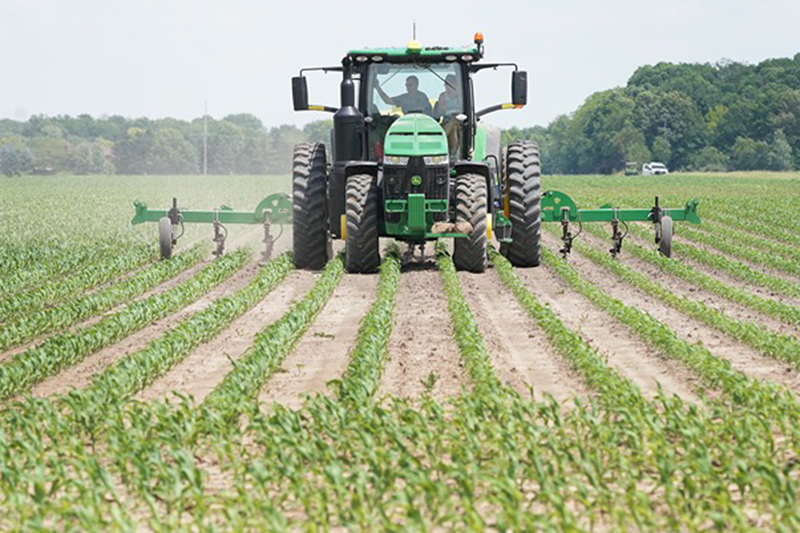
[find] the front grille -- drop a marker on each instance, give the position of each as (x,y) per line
(397,183)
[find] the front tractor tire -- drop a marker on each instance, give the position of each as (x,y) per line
(523,173)
(470,253)
(362,253)
(311,239)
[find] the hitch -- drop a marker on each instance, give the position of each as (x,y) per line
(566,234)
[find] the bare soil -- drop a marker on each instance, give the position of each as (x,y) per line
(421,344)
(623,350)
(321,355)
(742,357)
(520,352)
(207,365)
(80,375)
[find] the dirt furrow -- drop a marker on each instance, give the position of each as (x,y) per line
(520,352)
(207,365)
(80,375)
(723,277)
(693,292)
(742,357)
(322,353)
(421,345)
(623,350)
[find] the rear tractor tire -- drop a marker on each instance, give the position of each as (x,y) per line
(165,237)
(470,253)
(665,244)
(311,239)
(523,173)
(362,253)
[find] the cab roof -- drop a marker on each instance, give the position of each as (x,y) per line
(410,54)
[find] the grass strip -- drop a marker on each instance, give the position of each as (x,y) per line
(236,392)
(363,373)
(58,352)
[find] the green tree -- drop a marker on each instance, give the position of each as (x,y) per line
(709,159)
(15,158)
(780,153)
(662,150)
(748,154)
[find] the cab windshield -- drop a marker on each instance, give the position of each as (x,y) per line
(394,90)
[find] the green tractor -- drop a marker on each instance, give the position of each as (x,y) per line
(411,160)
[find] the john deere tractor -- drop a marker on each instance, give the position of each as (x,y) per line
(411,160)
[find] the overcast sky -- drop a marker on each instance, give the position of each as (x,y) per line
(159,58)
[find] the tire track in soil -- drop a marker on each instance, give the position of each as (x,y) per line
(742,357)
(206,366)
(622,349)
(520,352)
(81,374)
(321,355)
(422,339)
(161,288)
(691,291)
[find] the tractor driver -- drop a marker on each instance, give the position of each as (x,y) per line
(413,101)
(447,107)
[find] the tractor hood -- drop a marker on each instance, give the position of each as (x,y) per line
(415,135)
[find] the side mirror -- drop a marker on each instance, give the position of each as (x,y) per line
(519,87)
(300,93)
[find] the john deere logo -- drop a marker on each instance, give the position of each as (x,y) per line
(416,180)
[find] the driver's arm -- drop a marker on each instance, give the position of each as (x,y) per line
(385,97)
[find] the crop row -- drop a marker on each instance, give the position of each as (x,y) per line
(53,266)
(786,313)
(769,343)
(141,368)
(243,383)
(70,313)
(745,238)
(49,294)
(65,349)
(465,328)
(362,376)
(716,372)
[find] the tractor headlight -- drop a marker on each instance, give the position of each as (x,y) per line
(395,160)
(436,159)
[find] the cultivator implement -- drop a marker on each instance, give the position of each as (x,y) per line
(556,207)
(272,210)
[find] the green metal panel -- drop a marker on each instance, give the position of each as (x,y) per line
(414,135)
(416,212)
(416,218)
(481,140)
(556,206)
(404,55)
(275,207)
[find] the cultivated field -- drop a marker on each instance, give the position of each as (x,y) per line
(593,394)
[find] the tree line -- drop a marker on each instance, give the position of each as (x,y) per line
(707,117)
(236,144)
